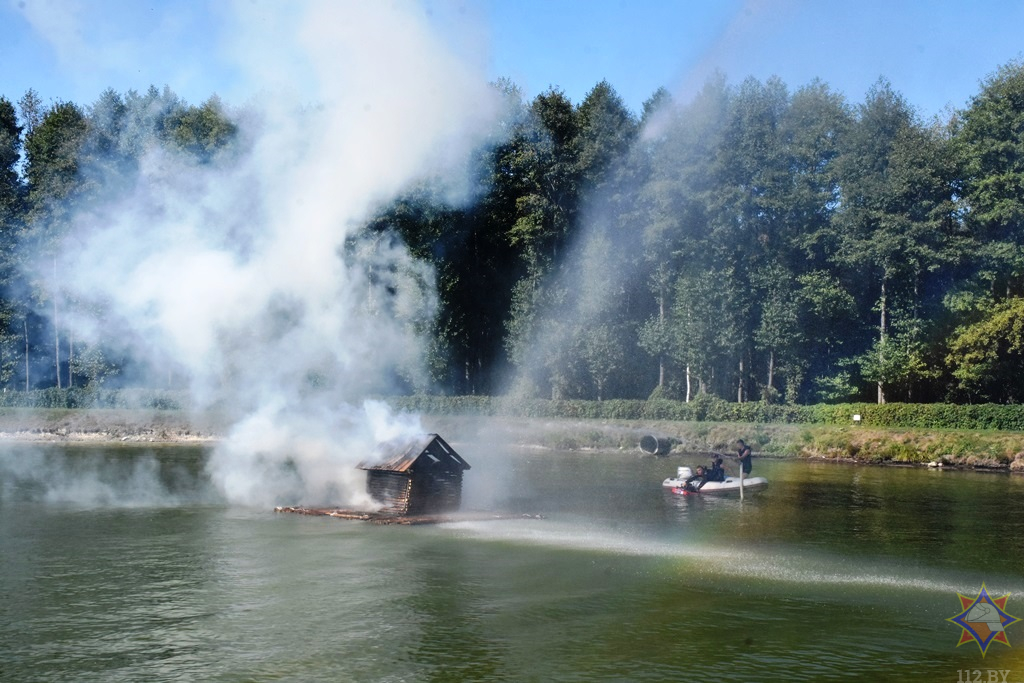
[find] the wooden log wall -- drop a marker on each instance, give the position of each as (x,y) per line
(436,493)
(393,490)
(416,494)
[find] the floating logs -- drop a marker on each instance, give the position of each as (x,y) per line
(391,518)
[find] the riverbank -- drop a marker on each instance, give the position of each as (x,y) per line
(978,449)
(107,425)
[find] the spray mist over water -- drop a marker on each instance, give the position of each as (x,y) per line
(780,568)
(98,480)
(250,275)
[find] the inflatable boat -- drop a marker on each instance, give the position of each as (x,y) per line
(679,484)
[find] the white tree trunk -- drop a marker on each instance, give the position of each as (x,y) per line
(739,385)
(881,347)
(56,332)
(27,383)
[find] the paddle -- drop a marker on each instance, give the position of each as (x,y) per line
(741,482)
(720,455)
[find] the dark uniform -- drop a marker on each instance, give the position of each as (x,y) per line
(716,473)
(697,480)
(744,457)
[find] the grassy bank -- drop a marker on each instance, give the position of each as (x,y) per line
(107,424)
(876,445)
(992,449)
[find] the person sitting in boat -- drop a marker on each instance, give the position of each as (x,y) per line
(696,480)
(716,472)
(743,454)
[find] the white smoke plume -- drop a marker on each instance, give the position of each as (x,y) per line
(250,275)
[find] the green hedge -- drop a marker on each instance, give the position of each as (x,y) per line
(710,409)
(702,409)
(132,399)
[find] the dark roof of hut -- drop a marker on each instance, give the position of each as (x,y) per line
(400,454)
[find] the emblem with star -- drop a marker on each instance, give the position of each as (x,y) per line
(983,619)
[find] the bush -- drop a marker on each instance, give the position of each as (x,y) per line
(703,408)
(77,398)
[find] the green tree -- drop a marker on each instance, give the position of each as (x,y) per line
(202,131)
(654,335)
(659,103)
(541,161)
(988,356)
(539,170)
(828,319)
(105,159)
(594,311)
(149,118)
(701,327)
(93,367)
(606,132)
(778,334)
(813,130)
(521,337)
(596,275)
(678,148)
(11,215)
(603,354)
(896,215)
(747,209)
(55,190)
(10,155)
(31,109)
(991,146)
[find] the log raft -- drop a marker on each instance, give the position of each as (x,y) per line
(416,480)
(384,517)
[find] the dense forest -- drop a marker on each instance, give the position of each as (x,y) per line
(755,243)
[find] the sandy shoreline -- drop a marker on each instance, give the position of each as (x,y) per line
(104,437)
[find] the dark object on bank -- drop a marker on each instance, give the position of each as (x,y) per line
(657,445)
(416,476)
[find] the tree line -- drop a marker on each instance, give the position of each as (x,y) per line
(57,160)
(755,243)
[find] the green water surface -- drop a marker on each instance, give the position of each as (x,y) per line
(125,565)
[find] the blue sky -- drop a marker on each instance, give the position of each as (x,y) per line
(934,52)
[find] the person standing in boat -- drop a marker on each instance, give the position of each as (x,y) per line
(743,455)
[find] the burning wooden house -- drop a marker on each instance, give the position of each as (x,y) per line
(418,476)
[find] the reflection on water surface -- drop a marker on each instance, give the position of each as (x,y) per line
(124,565)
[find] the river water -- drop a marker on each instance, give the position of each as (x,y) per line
(121,564)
